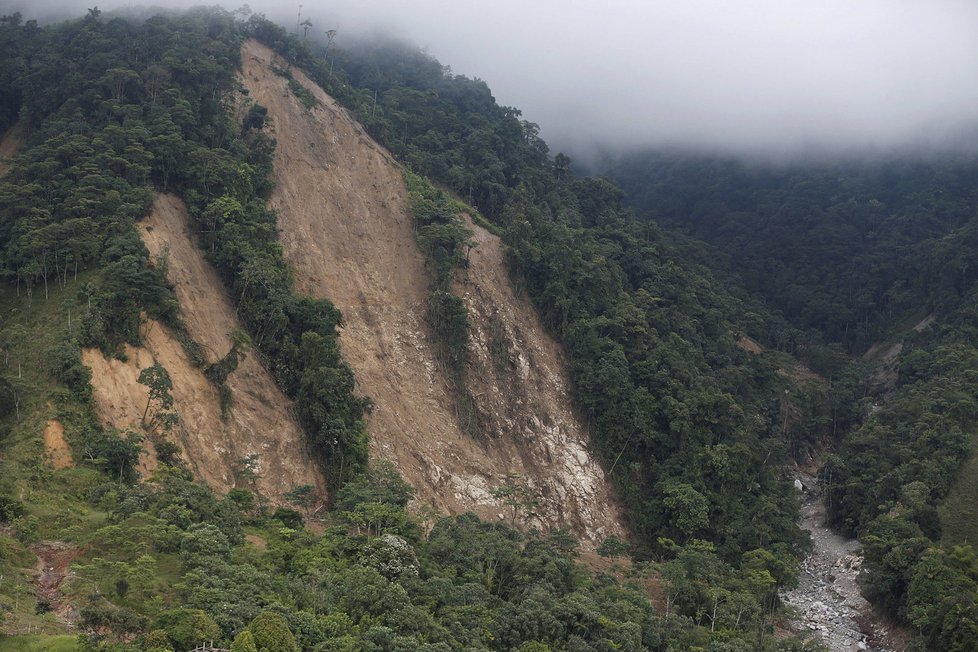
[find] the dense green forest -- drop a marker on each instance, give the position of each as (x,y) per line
(842,251)
(851,255)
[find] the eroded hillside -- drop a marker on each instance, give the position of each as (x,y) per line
(260,420)
(347,231)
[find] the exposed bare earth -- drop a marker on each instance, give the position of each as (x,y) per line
(57,454)
(260,420)
(796,372)
(53,563)
(749,344)
(255,540)
(886,357)
(347,232)
(522,388)
(9,144)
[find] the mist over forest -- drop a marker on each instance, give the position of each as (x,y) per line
(721,397)
(779,80)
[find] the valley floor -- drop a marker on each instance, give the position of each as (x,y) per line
(828,599)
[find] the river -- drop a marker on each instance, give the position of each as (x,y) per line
(828,598)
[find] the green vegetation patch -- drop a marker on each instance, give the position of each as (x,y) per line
(304,94)
(38,643)
(445,241)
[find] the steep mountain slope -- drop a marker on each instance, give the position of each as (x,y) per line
(683,418)
(346,230)
(260,420)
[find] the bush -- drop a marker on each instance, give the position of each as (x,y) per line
(244,642)
(10,508)
(289,517)
(272,634)
(203,540)
(66,365)
(188,628)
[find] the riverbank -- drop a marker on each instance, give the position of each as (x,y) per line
(827,598)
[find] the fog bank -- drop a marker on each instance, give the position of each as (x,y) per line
(756,76)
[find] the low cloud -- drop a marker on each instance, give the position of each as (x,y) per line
(756,76)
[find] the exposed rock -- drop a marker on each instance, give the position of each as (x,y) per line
(828,598)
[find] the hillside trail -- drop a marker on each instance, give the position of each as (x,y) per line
(347,231)
(828,598)
(260,420)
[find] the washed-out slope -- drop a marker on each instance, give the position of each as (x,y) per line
(347,231)
(260,420)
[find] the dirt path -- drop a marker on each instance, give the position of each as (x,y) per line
(828,598)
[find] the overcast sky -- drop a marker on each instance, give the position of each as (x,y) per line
(746,75)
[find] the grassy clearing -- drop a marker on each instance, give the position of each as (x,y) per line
(37,643)
(959,513)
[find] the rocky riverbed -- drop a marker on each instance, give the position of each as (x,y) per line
(827,598)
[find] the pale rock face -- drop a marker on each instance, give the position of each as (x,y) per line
(348,234)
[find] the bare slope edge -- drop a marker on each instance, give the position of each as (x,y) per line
(260,420)
(347,232)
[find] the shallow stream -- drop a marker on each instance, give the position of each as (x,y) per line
(828,599)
